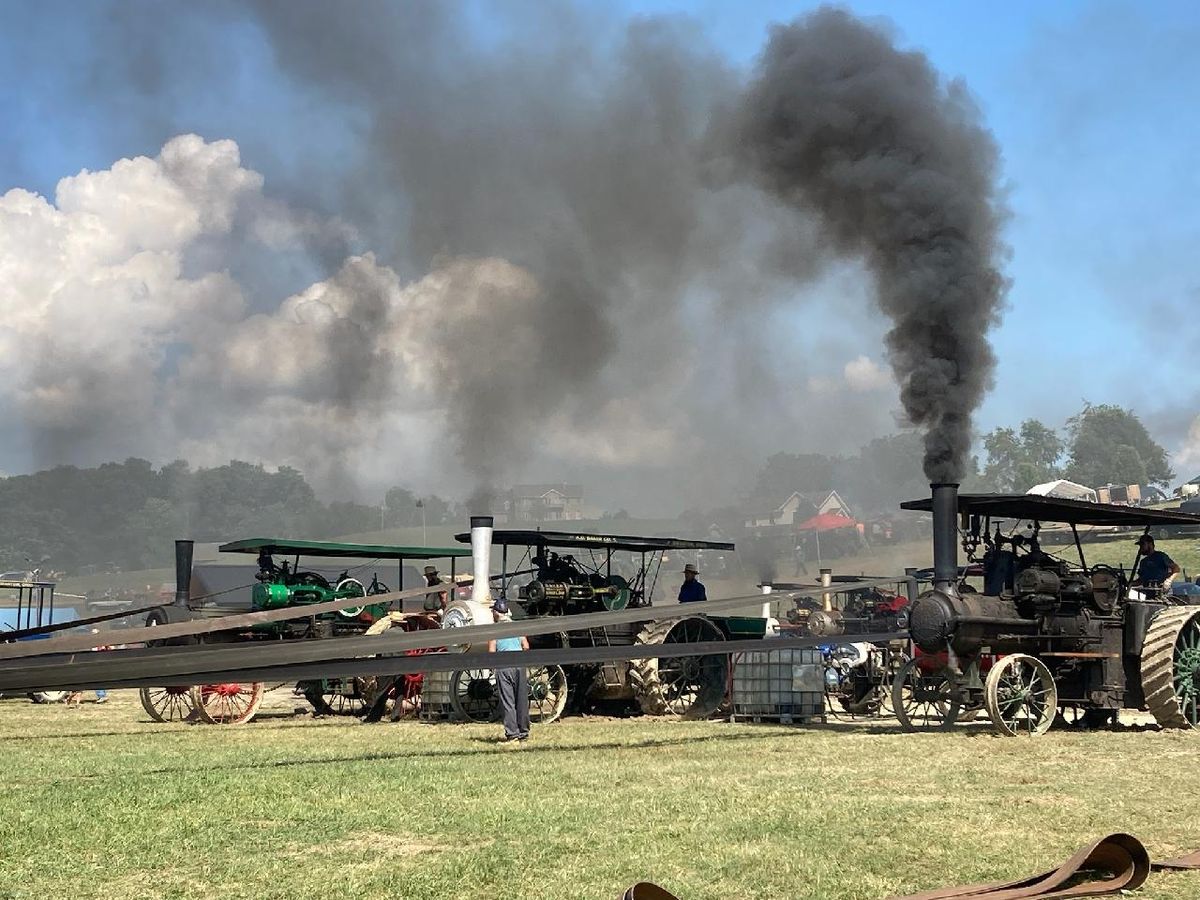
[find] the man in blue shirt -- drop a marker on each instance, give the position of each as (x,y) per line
(1156,570)
(691,591)
(512,683)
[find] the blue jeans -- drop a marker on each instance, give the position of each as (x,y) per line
(101,694)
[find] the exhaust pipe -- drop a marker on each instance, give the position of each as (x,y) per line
(183,572)
(945,537)
(481,558)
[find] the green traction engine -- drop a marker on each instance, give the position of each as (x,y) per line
(282,586)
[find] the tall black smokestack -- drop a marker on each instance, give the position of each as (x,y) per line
(183,572)
(896,164)
(945,536)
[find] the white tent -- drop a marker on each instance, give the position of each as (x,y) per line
(1068,490)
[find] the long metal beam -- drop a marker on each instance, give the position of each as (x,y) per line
(116,674)
(169,662)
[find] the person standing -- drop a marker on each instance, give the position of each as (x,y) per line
(691,591)
(513,683)
(1156,570)
(434,601)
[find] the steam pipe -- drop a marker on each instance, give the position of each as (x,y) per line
(481,558)
(766,607)
(945,537)
(827,598)
(910,583)
(183,572)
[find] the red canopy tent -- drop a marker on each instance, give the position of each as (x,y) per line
(829,521)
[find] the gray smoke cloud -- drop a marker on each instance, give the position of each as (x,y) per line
(570,245)
(903,174)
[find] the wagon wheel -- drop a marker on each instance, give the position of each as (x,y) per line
(547,693)
(924,701)
(232,703)
(168,704)
(475,694)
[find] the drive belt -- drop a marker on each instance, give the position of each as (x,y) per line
(1111,865)
(409,640)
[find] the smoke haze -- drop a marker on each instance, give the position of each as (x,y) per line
(570,248)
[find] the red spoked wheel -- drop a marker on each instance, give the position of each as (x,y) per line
(168,704)
(231,703)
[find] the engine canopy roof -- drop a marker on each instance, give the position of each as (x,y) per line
(1036,508)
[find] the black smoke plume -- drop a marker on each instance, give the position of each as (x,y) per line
(838,120)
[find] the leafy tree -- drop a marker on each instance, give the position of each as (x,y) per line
(1110,445)
(886,471)
(1018,460)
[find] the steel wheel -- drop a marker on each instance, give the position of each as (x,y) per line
(475,694)
(1020,696)
(48,696)
(924,701)
(692,686)
(168,704)
(547,693)
(896,660)
(351,587)
(1171,667)
(232,703)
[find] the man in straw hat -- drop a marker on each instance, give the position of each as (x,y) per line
(435,601)
(691,591)
(513,683)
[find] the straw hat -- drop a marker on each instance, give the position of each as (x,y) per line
(690,569)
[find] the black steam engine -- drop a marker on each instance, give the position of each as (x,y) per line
(1046,635)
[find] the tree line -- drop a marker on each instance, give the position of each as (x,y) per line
(1102,444)
(128,514)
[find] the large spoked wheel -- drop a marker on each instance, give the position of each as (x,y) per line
(168,704)
(475,695)
(351,587)
(690,686)
(1020,696)
(924,701)
(547,693)
(232,703)
(1171,667)
(896,660)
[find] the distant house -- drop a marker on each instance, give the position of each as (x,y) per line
(545,503)
(798,507)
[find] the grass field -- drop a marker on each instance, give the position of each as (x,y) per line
(99,803)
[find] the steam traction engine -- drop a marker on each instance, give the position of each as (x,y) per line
(568,585)
(1059,636)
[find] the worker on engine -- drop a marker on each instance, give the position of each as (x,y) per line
(1156,570)
(435,601)
(513,683)
(691,591)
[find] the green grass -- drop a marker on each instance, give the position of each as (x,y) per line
(99,803)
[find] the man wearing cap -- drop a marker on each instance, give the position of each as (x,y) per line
(512,683)
(1156,570)
(434,602)
(691,591)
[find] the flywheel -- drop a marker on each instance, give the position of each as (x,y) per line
(691,686)
(1171,667)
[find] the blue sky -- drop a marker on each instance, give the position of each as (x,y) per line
(1093,106)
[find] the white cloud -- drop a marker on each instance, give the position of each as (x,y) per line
(864,374)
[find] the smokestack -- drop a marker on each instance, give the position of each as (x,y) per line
(183,572)
(945,536)
(481,557)
(766,607)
